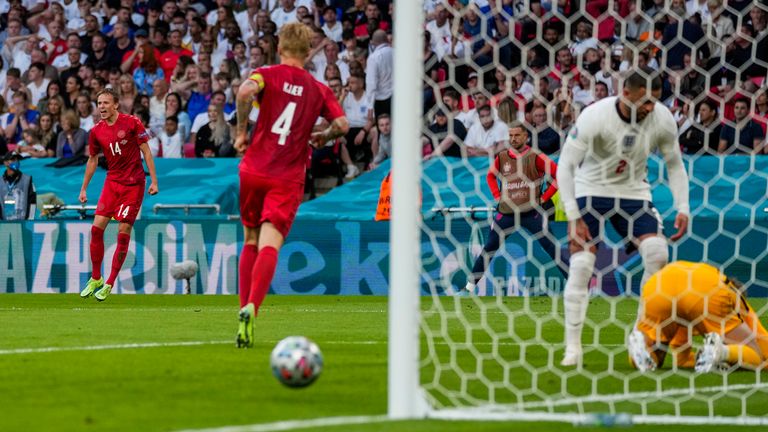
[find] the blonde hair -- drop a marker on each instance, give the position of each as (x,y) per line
(295,41)
(72,118)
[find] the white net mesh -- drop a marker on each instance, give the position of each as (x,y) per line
(497,354)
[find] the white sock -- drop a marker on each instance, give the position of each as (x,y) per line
(470,287)
(655,254)
(576,297)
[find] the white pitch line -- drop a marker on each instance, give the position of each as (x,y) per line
(296,424)
(619,397)
(137,345)
(109,347)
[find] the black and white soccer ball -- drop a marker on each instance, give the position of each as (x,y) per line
(296,361)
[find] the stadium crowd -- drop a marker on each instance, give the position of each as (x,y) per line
(178,64)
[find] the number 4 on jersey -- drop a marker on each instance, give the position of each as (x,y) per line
(282,126)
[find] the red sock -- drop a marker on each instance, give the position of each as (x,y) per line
(247,261)
(120,253)
(263,271)
(97,251)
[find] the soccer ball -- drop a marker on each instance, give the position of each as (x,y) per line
(296,361)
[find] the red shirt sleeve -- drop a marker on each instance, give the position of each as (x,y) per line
(548,167)
(331,108)
(493,184)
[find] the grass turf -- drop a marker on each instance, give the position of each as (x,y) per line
(213,384)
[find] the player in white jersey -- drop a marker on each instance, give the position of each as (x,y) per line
(602,177)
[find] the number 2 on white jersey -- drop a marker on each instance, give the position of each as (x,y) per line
(115,147)
(282,126)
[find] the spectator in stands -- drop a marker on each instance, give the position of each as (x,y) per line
(120,44)
(690,36)
(583,90)
(157,105)
(739,57)
(127,92)
(637,22)
(213,139)
(284,14)
(583,39)
(384,141)
(168,59)
(444,138)
(546,140)
(55,107)
(73,64)
(718,29)
(331,27)
(479,32)
(452,101)
(72,140)
(49,134)
(745,136)
(170,140)
(761,106)
(30,145)
(98,57)
(217,98)
(600,91)
(148,71)
(378,73)
(703,135)
(358,107)
(21,117)
(173,108)
(12,84)
(54,89)
(37,83)
(565,69)
(72,88)
(486,137)
(85,111)
(200,98)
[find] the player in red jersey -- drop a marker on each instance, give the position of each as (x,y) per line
(273,168)
(120,138)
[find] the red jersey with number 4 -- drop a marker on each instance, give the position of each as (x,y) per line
(290,102)
(120,144)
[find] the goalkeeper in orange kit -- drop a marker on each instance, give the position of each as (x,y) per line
(685,299)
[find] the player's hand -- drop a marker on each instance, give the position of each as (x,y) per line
(153,189)
(83,197)
(317,139)
(681,224)
(578,233)
(241,144)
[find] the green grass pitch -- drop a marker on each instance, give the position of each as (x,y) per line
(67,364)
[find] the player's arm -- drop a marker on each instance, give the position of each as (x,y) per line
(492,179)
(90,170)
(244,103)
(572,155)
(574,150)
(678,178)
(331,110)
(338,127)
(147,152)
(546,166)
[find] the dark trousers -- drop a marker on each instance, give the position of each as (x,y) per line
(382,107)
(503,225)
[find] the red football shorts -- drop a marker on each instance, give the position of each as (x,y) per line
(121,202)
(265,199)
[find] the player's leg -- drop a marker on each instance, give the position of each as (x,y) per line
(97,255)
(121,251)
(247,261)
(129,199)
(580,268)
(270,241)
(646,227)
(500,224)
